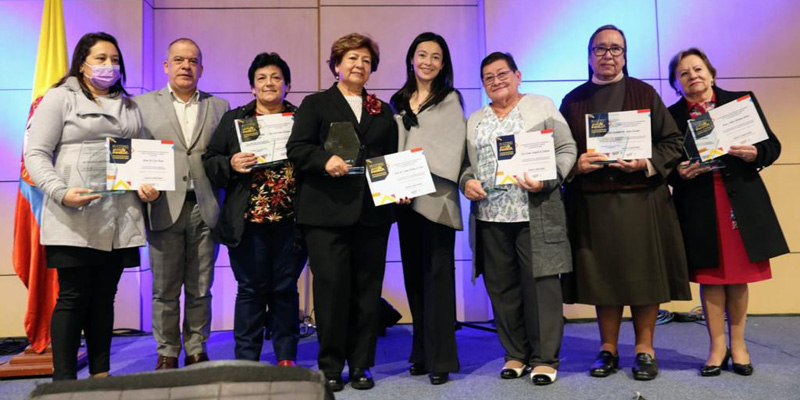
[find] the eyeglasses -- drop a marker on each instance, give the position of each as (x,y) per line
(502,76)
(600,51)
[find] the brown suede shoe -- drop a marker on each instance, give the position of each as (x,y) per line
(194,359)
(165,362)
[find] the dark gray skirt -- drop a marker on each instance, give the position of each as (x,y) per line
(627,249)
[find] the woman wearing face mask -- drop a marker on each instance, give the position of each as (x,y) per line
(728,223)
(346,234)
(431,116)
(89,238)
(257,221)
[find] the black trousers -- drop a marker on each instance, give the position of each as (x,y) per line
(528,311)
(429,273)
(85,302)
(348,264)
(266,264)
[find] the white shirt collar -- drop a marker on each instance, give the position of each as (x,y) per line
(616,79)
(194,99)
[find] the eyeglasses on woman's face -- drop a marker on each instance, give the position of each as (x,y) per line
(503,76)
(615,51)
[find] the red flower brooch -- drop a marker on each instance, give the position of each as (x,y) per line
(373,104)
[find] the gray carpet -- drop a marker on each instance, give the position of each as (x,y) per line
(681,349)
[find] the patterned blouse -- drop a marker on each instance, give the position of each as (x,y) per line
(503,203)
(272,191)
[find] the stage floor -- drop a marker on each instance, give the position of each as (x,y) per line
(774,344)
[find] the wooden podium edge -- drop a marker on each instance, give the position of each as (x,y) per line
(31,364)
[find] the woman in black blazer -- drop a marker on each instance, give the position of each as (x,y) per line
(729,227)
(345,233)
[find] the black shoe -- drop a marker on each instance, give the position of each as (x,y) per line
(417,369)
(605,364)
(361,379)
(543,378)
(743,369)
(645,368)
(715,370)
(514,373)
(438,378)
(335,382)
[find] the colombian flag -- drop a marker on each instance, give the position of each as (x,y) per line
(28,254)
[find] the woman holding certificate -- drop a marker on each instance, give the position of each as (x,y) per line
(431,116)
(521,243)
(345,232)
(257,218)
(729,225)
(89,238)
(626,241)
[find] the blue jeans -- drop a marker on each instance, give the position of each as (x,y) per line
(266,264)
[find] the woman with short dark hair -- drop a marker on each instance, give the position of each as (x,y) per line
(257,221)
(521,244)
(728,223)
(88,237)
(345,232)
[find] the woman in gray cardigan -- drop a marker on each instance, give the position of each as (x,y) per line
(521,241)
(431,117)
(88,237)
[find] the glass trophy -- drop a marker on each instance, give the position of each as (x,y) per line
(491,167)
(93,167)
(690,149)
(343,141)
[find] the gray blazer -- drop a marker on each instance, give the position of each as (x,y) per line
(160,122)
(548,226)
(441,134)
(64,119)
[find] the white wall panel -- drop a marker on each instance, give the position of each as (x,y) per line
(781,182)
(394,28)
(119,18)
(237,36)
(224,299)
(216,4)
(8,200)
(13,306)
(549,40)
(398,3)
(14,107)
(128,305)
(19,24)
(743,38)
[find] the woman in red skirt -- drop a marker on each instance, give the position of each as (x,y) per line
(729,226)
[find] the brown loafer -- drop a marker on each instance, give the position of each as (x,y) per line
(194,359)
(165,362)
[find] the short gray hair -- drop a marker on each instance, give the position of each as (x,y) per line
(186,40)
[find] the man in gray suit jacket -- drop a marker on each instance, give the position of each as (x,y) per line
(182,252)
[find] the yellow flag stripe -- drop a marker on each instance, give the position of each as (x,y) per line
(51,56)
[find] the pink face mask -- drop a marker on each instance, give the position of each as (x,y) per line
(104,76)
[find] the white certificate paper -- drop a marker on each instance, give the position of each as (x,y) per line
(132,162)
(265,136)
(531,152)
(735,123)
(623,134)
(399,175)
